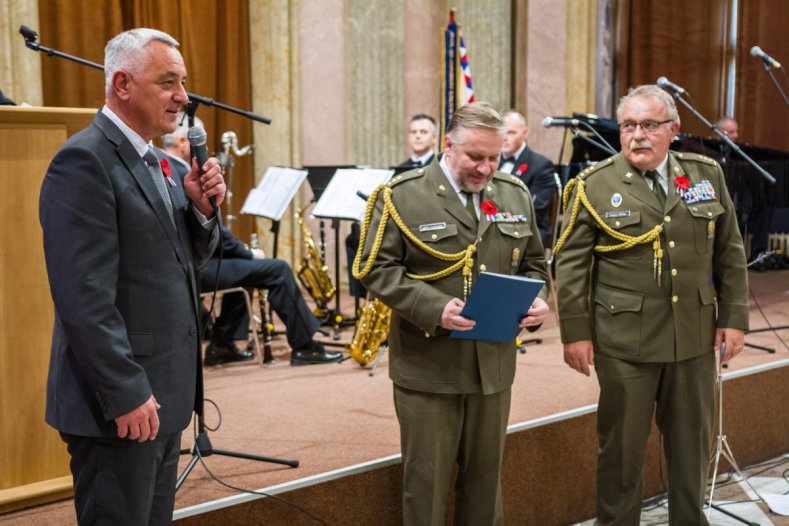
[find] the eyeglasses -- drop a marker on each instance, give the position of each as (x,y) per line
(649,126)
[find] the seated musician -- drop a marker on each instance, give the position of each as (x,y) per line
(242,267)
(422,140)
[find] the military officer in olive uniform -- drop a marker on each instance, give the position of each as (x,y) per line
(452,396)
(654,309)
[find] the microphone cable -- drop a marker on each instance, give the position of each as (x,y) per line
(218,479)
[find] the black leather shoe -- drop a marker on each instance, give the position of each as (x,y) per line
(216,354)
(313,353)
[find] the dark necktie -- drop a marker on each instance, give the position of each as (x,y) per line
(657,188)
(470,206)
(158,178)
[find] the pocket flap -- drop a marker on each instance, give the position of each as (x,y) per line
(617,219)
(705,210)
(434,232)
(516,230)
(616,300)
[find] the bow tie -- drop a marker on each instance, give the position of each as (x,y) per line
(508,160)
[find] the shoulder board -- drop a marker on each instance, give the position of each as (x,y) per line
(405,176)
(595,167)
(509,178)
(688,156)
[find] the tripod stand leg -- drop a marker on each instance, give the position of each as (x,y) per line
(186,472)
(381,352)
(202,448)
(761,347)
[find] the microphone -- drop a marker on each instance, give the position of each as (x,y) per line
(30,36)
(757,52)
(197,138)
(560,121)
(666,84)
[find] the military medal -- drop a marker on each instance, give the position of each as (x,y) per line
(711,230)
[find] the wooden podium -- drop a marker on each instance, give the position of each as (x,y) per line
(33,459)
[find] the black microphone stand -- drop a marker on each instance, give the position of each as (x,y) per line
(30,37)
(723,137)
(769,71)
(202,446)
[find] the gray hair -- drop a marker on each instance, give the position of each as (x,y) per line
(126,51)
(475,115)
(649,91)
(183,128)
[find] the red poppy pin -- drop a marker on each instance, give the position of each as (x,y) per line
(682,184)
(488,207)
(522,168)
(166,171)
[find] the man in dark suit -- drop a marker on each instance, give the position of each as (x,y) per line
(652,285)
(422,140)
(245,267)
(533,169)
(452,396)
(122,240)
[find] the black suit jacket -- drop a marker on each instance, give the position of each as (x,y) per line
(539,177)
(410,163)
(122,277)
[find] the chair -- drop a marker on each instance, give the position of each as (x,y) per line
(255,324)
(553,234)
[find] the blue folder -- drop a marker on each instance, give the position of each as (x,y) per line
(497,303)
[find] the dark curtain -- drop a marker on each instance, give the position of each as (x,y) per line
(683,41)
(214,38)
(759,108)
(687,42)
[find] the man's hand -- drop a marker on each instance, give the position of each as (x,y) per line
(734,340)
(451,318)
(199,188)
(257,253)
(141,424)
(536,315)
(579,355)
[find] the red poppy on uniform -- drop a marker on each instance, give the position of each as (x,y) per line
(488,207)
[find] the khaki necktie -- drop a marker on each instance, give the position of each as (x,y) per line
(470,206)
(158,178)
(657,188)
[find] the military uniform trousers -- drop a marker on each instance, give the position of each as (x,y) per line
(439,430)
(682,397)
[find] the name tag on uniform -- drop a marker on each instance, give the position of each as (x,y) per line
(432,226)
(618,213)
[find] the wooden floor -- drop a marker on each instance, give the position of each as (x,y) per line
(331,416)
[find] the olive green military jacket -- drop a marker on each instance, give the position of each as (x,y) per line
(614,299)
(423,357)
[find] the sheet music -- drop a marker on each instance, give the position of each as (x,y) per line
(340,199)
(274,192)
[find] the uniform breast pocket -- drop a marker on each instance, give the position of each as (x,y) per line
(705,217)
(435,234)
(514,236)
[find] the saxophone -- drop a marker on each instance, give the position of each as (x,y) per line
(313,274)
(372,330)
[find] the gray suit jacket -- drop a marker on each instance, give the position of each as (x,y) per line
(122,278)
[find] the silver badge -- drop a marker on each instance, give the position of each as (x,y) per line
(616,199)
(432,226)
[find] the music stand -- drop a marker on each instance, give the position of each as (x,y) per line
(340,201)
(270,199)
